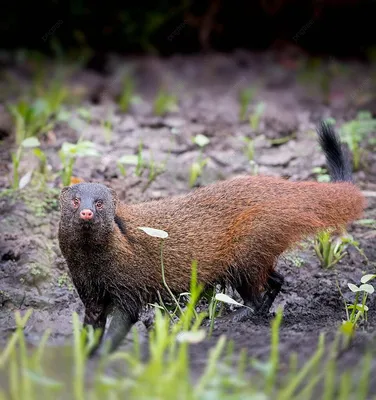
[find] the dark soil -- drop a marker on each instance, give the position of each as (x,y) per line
(33,273)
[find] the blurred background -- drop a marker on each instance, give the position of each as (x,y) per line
(339,27)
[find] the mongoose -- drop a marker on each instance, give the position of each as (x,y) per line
(235,229)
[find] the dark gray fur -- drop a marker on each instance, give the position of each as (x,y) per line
(84,246)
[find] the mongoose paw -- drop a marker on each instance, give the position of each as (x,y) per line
(264,308)
(242,315)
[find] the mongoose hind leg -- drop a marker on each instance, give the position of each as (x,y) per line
(252,300)
(259,305)
(275,282)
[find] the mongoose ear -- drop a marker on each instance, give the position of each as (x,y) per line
(63,193)
(115,197)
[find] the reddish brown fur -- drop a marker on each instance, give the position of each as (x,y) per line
(235,228)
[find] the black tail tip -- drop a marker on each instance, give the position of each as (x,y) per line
(337,158)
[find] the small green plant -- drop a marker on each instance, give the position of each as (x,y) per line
(26,371)
(315,74)
(357,312)
(196,170)
(295,259)
(197,167)
(249,152)
(53,95)
(63,280)
(126,160)
(85,114)
(330,250)
(310,70)
(282,140)
(354,132)
(249,149)
(107,126)
(165,102)
(107,129)
(68,154)
(30,119)
(29,143)
(255,117)
(245,98)
(154,169)
(127,96)
(189,319)
(321,174)
(209,295)
(36,117)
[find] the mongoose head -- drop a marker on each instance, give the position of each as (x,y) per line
(88,209)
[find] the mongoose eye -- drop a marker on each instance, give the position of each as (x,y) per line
(75,202)
(99,204)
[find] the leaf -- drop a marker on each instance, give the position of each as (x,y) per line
(367,288)
(330,121)
(67,147)
(30,142)
(108,381)
(86,148)
(136,100)
(191,337)
(84,113)
(201,140)
(154,232)
(353,287)
(81,149)
(347,328)
(367,278)
(264,367)
(39,153)
(366,222)
(63,115)
(25,180)
(359,307)
(227,299)
(44,380)
(323,178)
(156,306)
(260,108)
(129,160)
(196,169)
(318,170)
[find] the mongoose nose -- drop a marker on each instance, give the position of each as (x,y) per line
(86,214)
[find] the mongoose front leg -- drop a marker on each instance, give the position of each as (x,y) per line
(119,327)
(96,310)
(275,282)
(95,316)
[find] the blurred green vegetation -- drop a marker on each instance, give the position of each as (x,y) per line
(186,25)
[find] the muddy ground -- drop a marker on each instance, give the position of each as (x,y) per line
(32,271)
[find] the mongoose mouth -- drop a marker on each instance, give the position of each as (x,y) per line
(86,224)
(89,224)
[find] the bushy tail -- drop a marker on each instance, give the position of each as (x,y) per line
(338,161)
(306,208)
